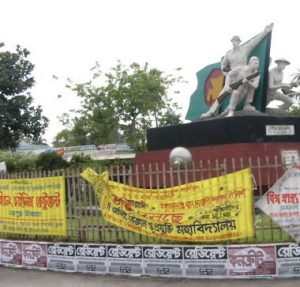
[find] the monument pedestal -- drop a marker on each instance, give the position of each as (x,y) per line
(237,142)
(220,131)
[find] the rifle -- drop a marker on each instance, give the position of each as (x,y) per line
(225,94)
(288,91)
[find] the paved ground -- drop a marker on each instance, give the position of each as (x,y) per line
(30,278)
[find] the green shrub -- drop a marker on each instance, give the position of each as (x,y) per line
(50,161)
(17,162)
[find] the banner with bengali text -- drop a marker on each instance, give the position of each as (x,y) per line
(34,206)
(282,202)
(215,209)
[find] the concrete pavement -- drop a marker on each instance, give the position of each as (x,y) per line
(10,277)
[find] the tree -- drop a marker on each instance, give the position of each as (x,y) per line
(74,136)
(129,101)
(18,118)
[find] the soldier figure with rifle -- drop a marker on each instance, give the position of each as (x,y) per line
(240,83)
(275,83)
(246,90)
(237,57)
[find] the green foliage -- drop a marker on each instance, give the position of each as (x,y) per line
(50,161)
(18,118)
(128,101)
(295,111)
(23,162)
(18,162)
(74,137)
(81,161)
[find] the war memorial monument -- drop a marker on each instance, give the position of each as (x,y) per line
(228,112)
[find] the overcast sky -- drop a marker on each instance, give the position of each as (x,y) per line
(66,38)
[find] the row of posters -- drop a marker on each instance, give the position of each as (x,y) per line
(215,261)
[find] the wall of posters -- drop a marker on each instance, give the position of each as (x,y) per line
(176,261)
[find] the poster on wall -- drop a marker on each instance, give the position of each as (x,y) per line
(205,261)
(91,258)
(245,261)
(288,260)
(34,255)
(61,257)
(125,259)
(11,253)
(282,202)
(166,261)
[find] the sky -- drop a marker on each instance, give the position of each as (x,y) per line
(66,38)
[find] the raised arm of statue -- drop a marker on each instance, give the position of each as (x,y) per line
(255,41)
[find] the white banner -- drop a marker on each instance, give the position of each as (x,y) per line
(282,202)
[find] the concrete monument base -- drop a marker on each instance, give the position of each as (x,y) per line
(253,127)
(237,142)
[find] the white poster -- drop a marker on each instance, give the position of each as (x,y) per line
(205,261)
(288,260)
(125,259)
(166,261)
(91,258)
(61,257)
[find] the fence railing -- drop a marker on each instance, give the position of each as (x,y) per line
(85,221)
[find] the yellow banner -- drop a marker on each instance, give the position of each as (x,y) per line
(215,209)
(34,206)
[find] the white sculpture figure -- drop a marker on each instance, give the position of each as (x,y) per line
(245,80)
(239,55)
(244,91)
(275,83)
